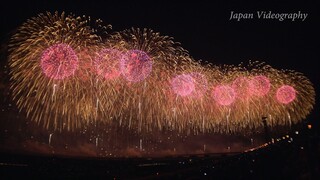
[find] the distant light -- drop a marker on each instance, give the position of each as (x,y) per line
(205,174)
(297,132)
(301,147)
(309,126)
(287,136)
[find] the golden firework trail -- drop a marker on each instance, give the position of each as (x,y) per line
(68,72)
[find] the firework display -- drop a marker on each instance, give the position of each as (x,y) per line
(66,74)
(51,62)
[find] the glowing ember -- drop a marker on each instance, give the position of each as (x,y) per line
(224,95)
(135,65)
(286,94)
(259,85)
(59,61)
(183,85)
(107,63)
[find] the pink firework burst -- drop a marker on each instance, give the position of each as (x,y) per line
(224,95)
(107,63)
(241,87)
(200,84)
(59,61)
(286,94)
(135,65)
(183,85)
(259,85)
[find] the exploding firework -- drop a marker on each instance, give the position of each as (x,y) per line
(47,58)
(286,94)
(59,61)
(67,75)
(148,62)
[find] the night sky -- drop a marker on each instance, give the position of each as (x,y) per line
(204,29)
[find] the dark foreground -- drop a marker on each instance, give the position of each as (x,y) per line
(287,158)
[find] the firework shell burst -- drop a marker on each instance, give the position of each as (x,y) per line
(55,99)
(68,73)
(141,102)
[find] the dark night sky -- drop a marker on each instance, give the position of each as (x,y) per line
(203,29)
